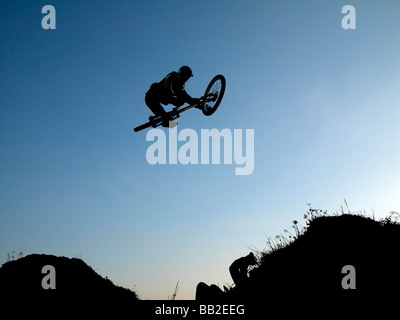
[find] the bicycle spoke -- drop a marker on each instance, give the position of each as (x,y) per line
(214,92)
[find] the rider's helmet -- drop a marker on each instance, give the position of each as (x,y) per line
(185,72)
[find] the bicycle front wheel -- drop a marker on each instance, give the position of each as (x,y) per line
(213,95)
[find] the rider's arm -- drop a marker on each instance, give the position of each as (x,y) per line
(186,97)
(176,88)
(182,95)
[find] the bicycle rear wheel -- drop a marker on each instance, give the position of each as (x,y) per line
(213,95)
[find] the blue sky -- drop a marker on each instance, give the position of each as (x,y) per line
(74,180)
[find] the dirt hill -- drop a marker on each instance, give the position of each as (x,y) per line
(311,270)
(338,263)
(316,259)
(76,284)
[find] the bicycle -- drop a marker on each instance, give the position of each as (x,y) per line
(209,103)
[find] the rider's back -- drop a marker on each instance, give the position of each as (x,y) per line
(170,86)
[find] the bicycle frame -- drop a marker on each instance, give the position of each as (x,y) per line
(175,112)
(172,115)
(155,121)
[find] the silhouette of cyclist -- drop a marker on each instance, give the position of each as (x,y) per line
(171,89)
(239,267)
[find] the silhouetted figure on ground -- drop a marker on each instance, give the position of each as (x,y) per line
(171,89)
(208,293)
(239,268)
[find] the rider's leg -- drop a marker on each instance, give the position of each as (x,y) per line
(158,110)
(155,106)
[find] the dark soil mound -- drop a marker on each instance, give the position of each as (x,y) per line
(76,284)
(310,271)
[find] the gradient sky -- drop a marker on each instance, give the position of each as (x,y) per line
(74,180)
